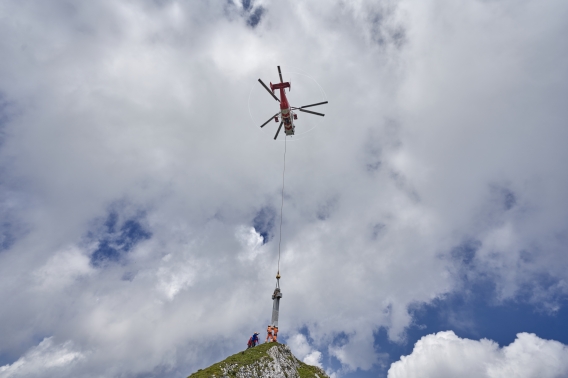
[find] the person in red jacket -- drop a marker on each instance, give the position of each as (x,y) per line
(275,334)
(268,334)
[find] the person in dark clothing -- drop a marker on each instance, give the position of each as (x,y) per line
(253,341)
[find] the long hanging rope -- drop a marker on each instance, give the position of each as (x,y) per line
(282,205)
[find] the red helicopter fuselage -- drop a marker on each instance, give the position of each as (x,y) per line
(287,114)
(286,111)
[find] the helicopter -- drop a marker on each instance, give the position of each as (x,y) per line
(286,111)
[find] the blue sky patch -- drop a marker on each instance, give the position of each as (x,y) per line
(465,252)
(118,238)
(325,209)
(7,238)
(377,229)
(249,12)
(373,151)
(7,112)
(12,227)
(247,5)
(504,196)
(509,199)
(263,223)
(255,16)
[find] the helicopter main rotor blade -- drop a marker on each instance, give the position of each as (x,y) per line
(269,119)
(309,111)
(309,106)
(268,90)
(279,127)
(280,73)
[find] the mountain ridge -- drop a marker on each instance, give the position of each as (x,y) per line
(269,360)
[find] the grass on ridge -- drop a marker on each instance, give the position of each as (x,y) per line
(250,356)
(243,358)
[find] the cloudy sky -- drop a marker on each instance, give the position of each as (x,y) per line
(425,216)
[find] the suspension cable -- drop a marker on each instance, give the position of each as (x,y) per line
(282,205)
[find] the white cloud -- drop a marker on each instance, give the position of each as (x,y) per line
(357,353)
(446,355)
(62,269)
(173,278)
(251,241)
(314,358)
(301,348)
(299,345)
(45,360)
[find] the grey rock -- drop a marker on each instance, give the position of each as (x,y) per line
(276,361)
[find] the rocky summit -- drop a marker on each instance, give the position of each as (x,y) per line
(270,360)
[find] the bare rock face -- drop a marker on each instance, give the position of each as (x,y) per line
(270,360)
